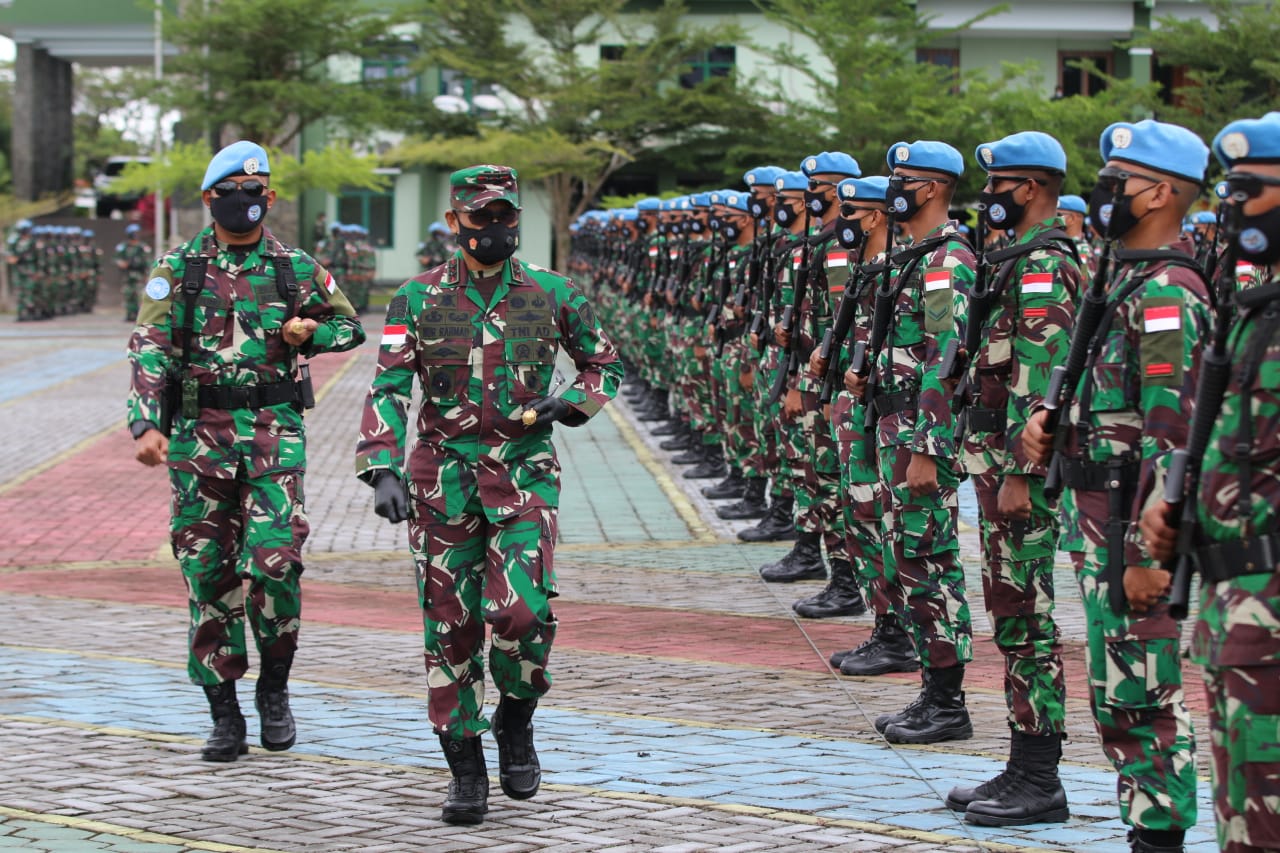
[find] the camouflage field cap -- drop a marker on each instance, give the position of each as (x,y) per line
(474,187)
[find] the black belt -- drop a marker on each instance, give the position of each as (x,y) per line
(986,420)
(898,401)
(248,396)
(1221,561)
(1086,476)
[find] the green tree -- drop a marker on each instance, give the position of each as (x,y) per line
(105,104)
(576,116)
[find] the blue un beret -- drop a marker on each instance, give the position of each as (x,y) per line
(1249,140)
(926,154)
(830,162)
(648,204)
(791,181)
(1204,217)
(1073,203)
(764,175)
(671,204)
(1168,148)
(1029,149)
(238,158)
(628,214)
(736,200)
(701,199)
(863,189)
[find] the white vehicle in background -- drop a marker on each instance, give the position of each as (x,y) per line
(108,201)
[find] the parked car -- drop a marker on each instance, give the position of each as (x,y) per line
(109,201)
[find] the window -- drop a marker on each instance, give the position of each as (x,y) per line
(716,62)
(1074,79)
(394,63)
(612,52)
(943,57)
(371,209)
(457,89)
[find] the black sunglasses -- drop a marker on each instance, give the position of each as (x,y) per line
(849,210)
(899,181)
(249,188)
(1018,180)
(1245,185)
(504,216)
(1112,179)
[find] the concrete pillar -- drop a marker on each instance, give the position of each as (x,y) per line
(41,158)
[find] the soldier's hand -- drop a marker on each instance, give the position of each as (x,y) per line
(1037,443)
(854,384)
(817,364)
(781,336)
(826,411)
(547,410)
(151,448)
(1144,587)
(390,497)
(755,341)
(1014,498)
(922,475)
(1158,535)
(298,331)
(792,404)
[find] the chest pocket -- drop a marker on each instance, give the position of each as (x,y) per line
(1115,380)
(271,307)
(212,321)
(446,372)
(529,365)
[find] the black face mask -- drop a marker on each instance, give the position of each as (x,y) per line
(1112,215)
(695,226)
(729,230)
(1259,240)
(759,207)
(1001,211)
(903,203)
(238,212)
(817,203)
(490,245)
(849,232)
(783,215)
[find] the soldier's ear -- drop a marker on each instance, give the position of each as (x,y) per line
(205,196)
(451,219)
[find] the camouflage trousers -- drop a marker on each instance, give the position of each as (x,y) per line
(793,457)
(1135,691)
(131,287)
(472,571)
(766,459)
(923,559)
(818,503)
(1244,727)
(1017,588)
(861,501)
(226,531)
(736,424)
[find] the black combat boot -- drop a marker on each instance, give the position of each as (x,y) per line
(226,742)
(1156,841)
(940,716)
(888,649)
(272,701)
(518,767)
(1034,795)
(804,563)
(681,437)
(731,487)
(776,526)
(712,465)
(695,454)
(840,597)
(635,391)
(883,721)
(673,427)
(468,798)
(959,798)
(658,410)
(753,503)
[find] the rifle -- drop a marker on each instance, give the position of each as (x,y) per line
(865,355)
(790,313)
(833,340)
(1182,485)
(981,300)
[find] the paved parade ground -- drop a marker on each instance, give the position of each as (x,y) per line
(691,710)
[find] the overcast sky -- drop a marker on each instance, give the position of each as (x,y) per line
(6,49)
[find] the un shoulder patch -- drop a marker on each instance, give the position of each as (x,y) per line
(158,288)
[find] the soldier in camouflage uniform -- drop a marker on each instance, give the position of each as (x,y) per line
(481,487)
(435,249)
(915,433)
(228,313)
(133,257)
(1072,210)
(1130,409)
(1019,322)
(21,257)
(1237,636)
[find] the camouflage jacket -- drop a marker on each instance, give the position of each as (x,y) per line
(479,363)
(238,321)
(1136,394)
(929,312)
(136,257)
(1027,333)
(1239,622)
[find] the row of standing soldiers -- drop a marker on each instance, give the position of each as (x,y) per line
(349,255)
(843,356)
(53,269)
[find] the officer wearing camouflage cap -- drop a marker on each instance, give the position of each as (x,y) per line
(481,488)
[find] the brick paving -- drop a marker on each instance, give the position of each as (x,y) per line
(690,710)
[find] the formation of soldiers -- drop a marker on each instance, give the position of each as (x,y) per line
(54,270)
(839,355)
(349,254)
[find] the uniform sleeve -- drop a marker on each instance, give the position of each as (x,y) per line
(384,422)
(1044,305)
(593,353)
(339,328)
(149,345)
(946,298)
(1171,325)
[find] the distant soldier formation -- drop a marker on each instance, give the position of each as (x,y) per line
(836,352)
(54,270)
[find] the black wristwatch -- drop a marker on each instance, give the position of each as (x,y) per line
(137,428)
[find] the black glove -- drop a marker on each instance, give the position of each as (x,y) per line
(390,497)
(549,409)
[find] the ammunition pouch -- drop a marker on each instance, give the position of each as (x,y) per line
(985,420)
(1252,555)
(898,401)
(1085,476)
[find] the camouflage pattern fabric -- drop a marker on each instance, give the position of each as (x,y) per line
(1244,730)
(136,258)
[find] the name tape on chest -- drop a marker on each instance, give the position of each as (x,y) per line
(937,280)
(1163,318)
(394,335)
(1037,282)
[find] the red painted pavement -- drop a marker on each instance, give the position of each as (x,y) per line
(762,643)
(98,504)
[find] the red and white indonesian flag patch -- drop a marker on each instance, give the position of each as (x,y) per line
(1037,282)
(937,280)
(1165,318)
(394,336)
(837,259)
(329,284)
